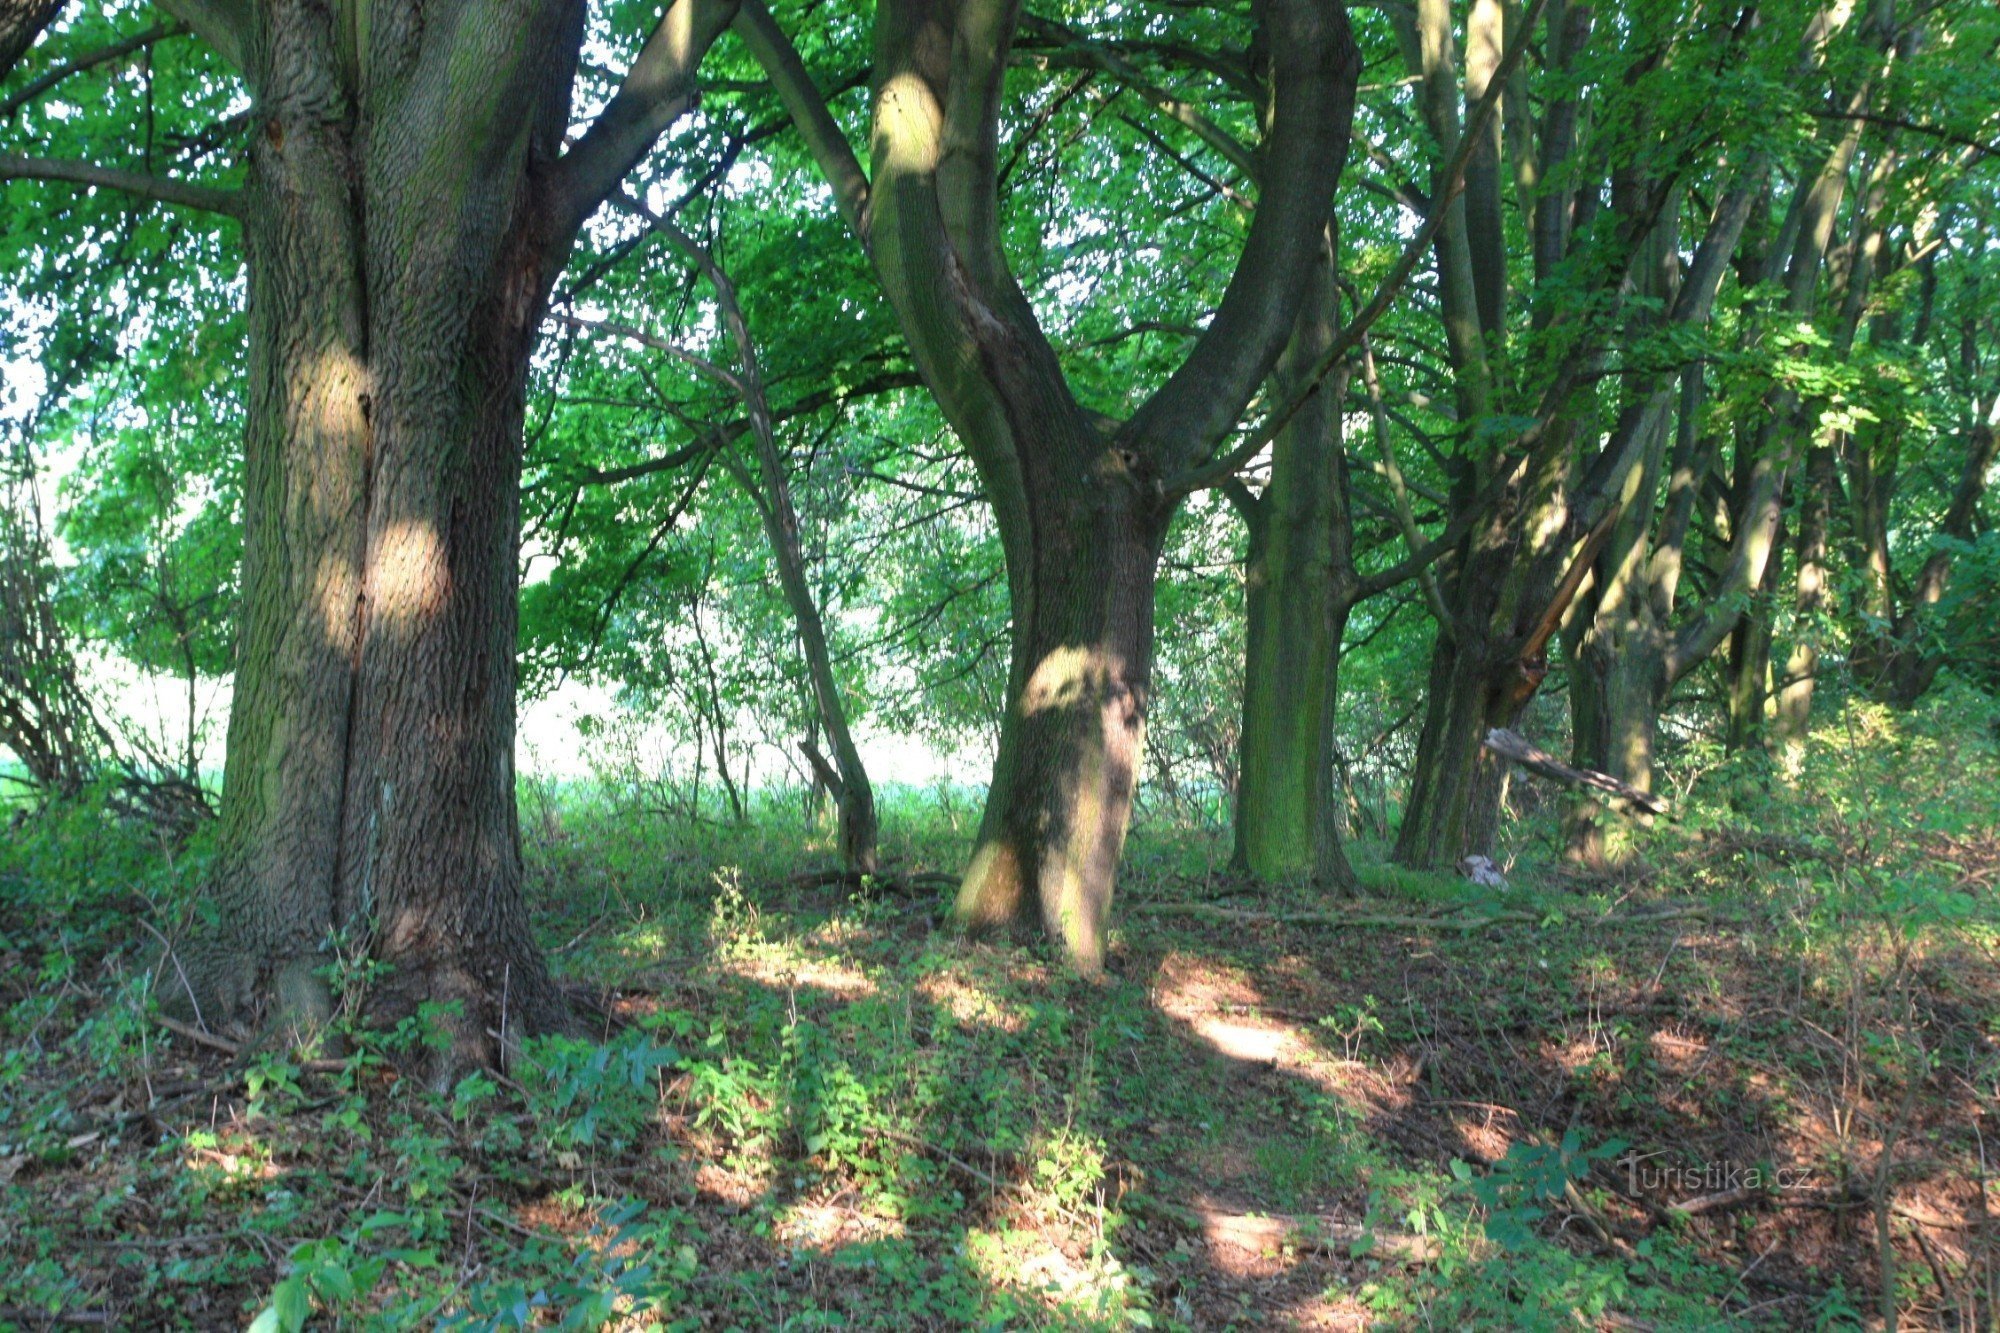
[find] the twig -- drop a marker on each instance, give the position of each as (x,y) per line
(199,1037)
(228,1047)
(186,985)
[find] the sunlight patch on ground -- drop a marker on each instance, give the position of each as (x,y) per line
(1244,1245)
(1029,1262)
(1228,1013)
(229,1162)
(823,1226)
(784,969)
(737,1188)
(970,1003)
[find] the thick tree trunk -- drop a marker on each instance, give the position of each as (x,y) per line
(1081,506)
(1749,677)
(1070,744)
(1298,593)
(404,210)
(1748,668)
(1288,820)
(1457,786)
(369,788)
(1616,689)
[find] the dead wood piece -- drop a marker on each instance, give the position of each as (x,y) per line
(1708,1203)
(1513,745)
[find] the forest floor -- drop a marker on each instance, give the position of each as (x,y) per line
(1738,1086)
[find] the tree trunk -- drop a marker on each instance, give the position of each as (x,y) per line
(1457,786)
(1617,684)
(1070,743)
(1792,718)
(403,218)
(1298,592)
(21,22)
(368,795)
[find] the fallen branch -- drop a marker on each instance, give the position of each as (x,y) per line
(1513,745)
(1211,912)
(199,1037)
(236,1048)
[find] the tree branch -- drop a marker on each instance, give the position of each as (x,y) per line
(49,79)
(1208,474)
(1513,745)
(223,24)
(658,89)
(1316,68)
(822,133)
(700,363)
(1093,56)
(185,194)
(1944,133)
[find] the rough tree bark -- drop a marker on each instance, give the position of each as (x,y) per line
(408,203)
(1081,505)
(21,22)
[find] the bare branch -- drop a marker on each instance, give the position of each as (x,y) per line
(1212,472)
(644,339)
(822,133)
(185,194)
(658,90)
(104,55)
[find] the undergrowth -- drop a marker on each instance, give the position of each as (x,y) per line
(815,1107)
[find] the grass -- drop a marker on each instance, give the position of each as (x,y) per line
(819,1108)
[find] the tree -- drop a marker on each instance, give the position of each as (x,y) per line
(407,203)
(769,490)
(1082,503)
(1526,401)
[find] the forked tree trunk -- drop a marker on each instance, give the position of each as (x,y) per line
(403,216)
(1635,646)
(1081,506)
